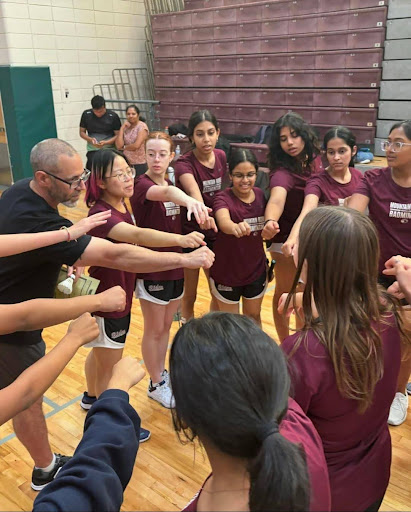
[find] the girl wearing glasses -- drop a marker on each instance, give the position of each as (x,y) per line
(331,187)
(387,194)
(294,155)
(110,183)
(240,265)
(156,203)
(201,173)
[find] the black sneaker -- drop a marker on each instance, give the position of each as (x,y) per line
(144,435)
(40,478)
(87,401)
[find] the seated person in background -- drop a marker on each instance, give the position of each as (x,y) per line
(99,127)
(231,384)
(101,467)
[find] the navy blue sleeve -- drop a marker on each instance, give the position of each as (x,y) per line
(102,465)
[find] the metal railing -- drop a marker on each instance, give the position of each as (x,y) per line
(130,86)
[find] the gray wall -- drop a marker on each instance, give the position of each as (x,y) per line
(395,92)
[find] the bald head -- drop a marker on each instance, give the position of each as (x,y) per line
(45,155)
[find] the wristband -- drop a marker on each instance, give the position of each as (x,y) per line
(68,233)
(269,220)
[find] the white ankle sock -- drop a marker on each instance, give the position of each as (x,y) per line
(50,466)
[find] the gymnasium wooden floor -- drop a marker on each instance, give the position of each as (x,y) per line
(166,474)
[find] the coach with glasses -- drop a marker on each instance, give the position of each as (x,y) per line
(30,205)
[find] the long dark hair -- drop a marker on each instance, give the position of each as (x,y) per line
(340,248)
(345,134)
(278,158)
(238,156)
(231,384)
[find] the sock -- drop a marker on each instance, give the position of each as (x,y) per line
(50,466)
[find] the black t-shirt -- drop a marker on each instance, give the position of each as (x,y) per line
(33,274)
(100,128)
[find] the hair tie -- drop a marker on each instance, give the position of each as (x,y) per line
(269,429)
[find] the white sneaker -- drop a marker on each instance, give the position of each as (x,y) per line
(162,394)
(398,409)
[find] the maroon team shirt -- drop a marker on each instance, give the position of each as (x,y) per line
(357,446)
(239,261)
(110,277)
(331,192)
(298,429)
(209,181)
(163,216)
(390,210)
(294,184)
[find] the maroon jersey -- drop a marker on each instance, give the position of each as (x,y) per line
(390,210)
(110,277)
(209,181)
(357,446)
(163,216)
(331,192)
(294,184)
(239,261)
(298,429)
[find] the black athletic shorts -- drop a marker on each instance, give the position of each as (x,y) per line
(233,294)
(159,292)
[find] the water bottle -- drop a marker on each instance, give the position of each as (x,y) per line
(170,173)
(177,153)
(166,130)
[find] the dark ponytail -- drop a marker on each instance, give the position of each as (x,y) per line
(231,383)
(279,477)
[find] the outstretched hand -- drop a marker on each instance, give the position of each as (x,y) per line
(83,226)
(126,373)
(198,209)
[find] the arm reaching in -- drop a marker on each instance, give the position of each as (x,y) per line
(23,242)
(177,196)
(98,473)
(399,267)
(229,227)
(39,313)
(310,203)
(34,381)
(273,212)
(130,258)
(124,232)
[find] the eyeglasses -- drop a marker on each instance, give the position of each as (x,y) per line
(239,176)
(396,146)
(128,172)
(161,156)
(75,183)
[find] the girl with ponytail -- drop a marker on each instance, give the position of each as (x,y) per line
(231,385)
